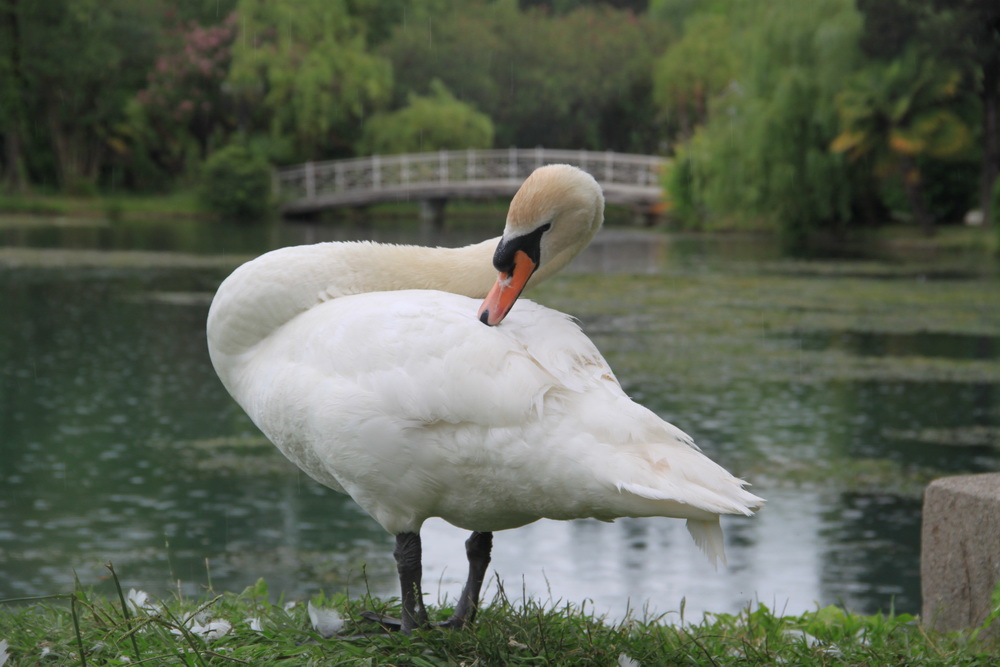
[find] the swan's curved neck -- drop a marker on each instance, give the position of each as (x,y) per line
(265,293)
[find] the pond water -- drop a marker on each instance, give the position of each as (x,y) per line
(838,387)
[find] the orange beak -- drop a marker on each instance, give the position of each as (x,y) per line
(506,290)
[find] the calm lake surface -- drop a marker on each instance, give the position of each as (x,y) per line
(838,386)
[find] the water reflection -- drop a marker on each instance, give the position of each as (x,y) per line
(619,251)
(902,344)
(872,551)
(118,442)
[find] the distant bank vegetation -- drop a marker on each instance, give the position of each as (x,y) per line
(795,117)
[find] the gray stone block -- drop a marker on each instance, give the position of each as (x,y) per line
(960,552)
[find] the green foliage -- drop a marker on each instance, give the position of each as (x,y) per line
(679,184)
(249,629)
(695,69)
(135,94)
(765,151)
(428,123)
(676,12)
(576,80)
(950,187)
(303,70)
(176,118)
(236,184)
(898,115)
(901,109)
(960,35)
(201,12)
(58,102)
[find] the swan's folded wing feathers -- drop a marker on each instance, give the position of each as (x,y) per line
(555,342)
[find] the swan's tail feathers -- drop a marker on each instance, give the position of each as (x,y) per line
(700,505)
(707,534)
(731,498)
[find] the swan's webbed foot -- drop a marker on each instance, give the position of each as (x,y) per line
(388,623)
(392,624)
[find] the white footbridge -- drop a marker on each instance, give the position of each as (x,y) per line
(434,178)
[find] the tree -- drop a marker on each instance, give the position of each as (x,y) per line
(964,34)
(184,95)
(573,80)
(236,184)
(306,67)
(765,151)
(897,114)
(700,65)
(428,123)
(66,74)
(978,21)
(13,87)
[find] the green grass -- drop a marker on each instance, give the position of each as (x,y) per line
(176,204)
(82,628)
(180,203)
(185,204)
(33,204)
(948,238)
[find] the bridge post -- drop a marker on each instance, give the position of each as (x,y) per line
(310,180)
(432,213)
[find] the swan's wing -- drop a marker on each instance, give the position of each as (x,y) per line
(395,397)
(417,409)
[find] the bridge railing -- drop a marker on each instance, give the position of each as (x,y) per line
(425,171)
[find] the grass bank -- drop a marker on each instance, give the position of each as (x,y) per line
(185,203)
(177,204)
(82,628)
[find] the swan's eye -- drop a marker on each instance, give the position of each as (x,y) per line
(529,244)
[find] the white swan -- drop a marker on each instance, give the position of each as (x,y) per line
(370,367)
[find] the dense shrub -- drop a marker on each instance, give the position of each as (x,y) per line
(236,184)
(433,122)
(679,183)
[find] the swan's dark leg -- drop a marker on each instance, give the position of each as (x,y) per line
(408,557)
(408,554)
(477,549)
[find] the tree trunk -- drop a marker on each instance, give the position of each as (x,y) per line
(78,152)
(13,159)
(60,146)
(991,140)
(13,176)
(915,195)
(683,119)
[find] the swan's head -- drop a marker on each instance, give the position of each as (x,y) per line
(552,218)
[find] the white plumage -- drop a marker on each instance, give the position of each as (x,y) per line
(367,366)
